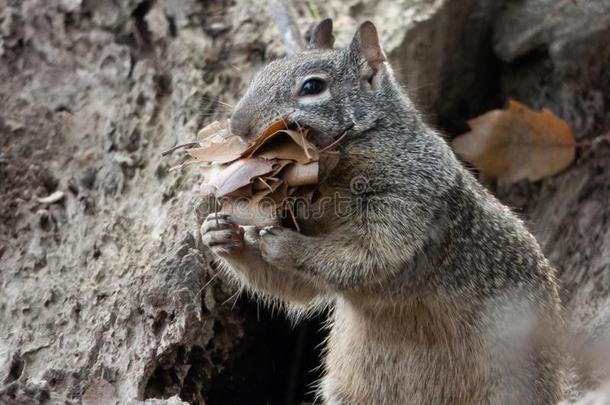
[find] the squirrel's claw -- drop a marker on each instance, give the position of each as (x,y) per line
(269,230)
(221,235)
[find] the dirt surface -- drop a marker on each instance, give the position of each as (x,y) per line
(107,296)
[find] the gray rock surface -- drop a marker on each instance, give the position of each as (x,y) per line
(105,293)
(557,56)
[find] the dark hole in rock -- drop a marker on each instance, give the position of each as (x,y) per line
(162,384)
(16,369)
(276,362)
(138,14)
(159,322)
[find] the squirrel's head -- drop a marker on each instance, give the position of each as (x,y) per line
(327,90)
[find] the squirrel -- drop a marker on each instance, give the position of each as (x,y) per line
(439,293)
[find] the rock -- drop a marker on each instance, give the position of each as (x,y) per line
(101,293)
(100,392)
(157,23)
(533,24)
(555,55)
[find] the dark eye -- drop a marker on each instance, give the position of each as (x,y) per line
(312,86)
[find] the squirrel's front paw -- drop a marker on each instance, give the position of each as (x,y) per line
(221,235)
(278,246)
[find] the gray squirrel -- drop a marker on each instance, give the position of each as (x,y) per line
(439,293)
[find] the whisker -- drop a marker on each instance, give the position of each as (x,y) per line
(225,104)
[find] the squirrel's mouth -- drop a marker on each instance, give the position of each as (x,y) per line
(318,138)
(321,139)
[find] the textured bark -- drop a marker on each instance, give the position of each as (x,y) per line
(107,296)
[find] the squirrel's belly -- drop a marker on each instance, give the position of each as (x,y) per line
(363,367)
(398,357)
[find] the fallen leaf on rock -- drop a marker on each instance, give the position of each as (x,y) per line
(517,143)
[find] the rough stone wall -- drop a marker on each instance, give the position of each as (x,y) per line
(105,294)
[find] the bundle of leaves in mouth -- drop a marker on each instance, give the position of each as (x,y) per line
(259,181)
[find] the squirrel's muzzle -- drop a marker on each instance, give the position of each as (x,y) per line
(241,121)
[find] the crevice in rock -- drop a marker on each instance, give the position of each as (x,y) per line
(138,14)
(276,362)
(16,369)
(483,93)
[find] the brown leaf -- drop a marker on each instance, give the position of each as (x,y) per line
(267,134)
(259,174)
(280,165)
(301,175)
(328,161)
(517,143)
(282,146)
(219,152)
(238,174)
(260,195)
(279,195)
(273,128)
(217,128)
(309,148)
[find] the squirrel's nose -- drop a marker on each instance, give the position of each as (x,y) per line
(241,122)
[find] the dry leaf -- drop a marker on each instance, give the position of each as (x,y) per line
(328,161)
(309,148)
(216,128)
(262,138)
(302,175)
(258,175)
(517,143)
(239,174)
(217,152)
(283,147)
(259,195)
(273,128)
(280,165)
(279,195)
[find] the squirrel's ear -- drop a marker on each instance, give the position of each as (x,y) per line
(322,35)
(366,44)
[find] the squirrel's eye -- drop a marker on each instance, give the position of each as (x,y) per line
(312,86)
